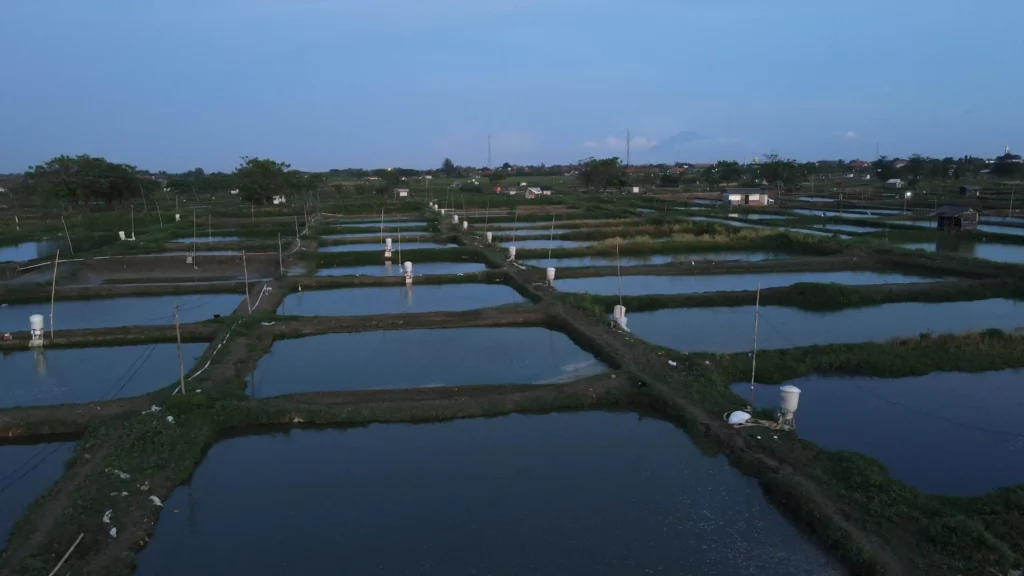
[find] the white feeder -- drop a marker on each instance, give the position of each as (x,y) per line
(550,275)
(738,417)
(36,326)
(455,218)
(442,211)
(177,217)
(121,235)
(465,224)
(387,248)
(790,399)
(408,272)
(619,316)
(512,253)
(489,236)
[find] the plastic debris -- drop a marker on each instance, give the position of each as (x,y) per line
(113,532)
(151,410)
(156,501)
(738,417)
(144,487)
(707,362)
(119,474)
(170,419)
(267,323)
(122,494)
(671,363)
(107,515)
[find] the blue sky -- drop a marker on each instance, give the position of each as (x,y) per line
(333,83)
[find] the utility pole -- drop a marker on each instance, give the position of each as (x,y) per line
(753,362)
(627,148)
(1012,190)
(53,290)
(158,215)
(181,365)
(133,221)
(145,206)
(296,229)
(209,228)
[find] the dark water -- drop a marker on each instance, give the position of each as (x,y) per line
(129,311)
(847,227)
(764,216)
(419,358)
(656,259)
(376,234)
(728,330)
(815,199)
(375,246)
(688,284)
(834,213)
(77,375)
(705,201)
(206,238)
(26,251)
(992,228)
(397,299)
(388,224)
(944,433)
(815,232)
(25,473)
(730,222)
(421,269)
(1011,253)
(558,495)
(533,244)
(506,235)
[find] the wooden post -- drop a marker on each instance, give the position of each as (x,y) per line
(158,215)
(245,268)
(67,235)
(209,228)
(181,365)
(133,221)
(280,254)
(53,290)
(753,363)
(195,256)
(145,205)
(296,229)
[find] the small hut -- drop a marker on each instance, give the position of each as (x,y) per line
(970,191)
(956,218)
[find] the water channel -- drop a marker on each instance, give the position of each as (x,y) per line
(397,299)
(419,269)
(126,311)
(692,283)
(26,471)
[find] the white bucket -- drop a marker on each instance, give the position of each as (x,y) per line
(550,274)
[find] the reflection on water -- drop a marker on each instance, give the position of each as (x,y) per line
(206,238)
(686,284)
(419,358)
(657,259)
(729,330)
(945,433)
(25,473)
(128,311)
(532,244)
(397,299)
(368,246)
(418,269)
(77,375)
(1011,253)
(550,495)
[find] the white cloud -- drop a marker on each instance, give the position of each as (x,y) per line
(851,135)
(613,143)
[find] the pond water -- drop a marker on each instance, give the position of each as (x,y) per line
(420,358)
(688,284)
(388,224)
(368,246)
(128,311)
(706,201)
(833,213)
(945,433)
(748,216)
(418,269)
(397,299)
(991,228)
(549,495)
(816,232)
(815,199)
(1011,253)
(77,375)
(723,221)
(546,243)
(729,330)
(377,234)
(506,235)
(26,471)
(25,251)
(656,259)
(846,227)
(205,238)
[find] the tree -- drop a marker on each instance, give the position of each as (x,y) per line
(781,171)
(260,179)
(728,171)
(81,179)
(449,168)
(600,174)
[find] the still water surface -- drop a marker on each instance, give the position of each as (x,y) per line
(945,433)
(558,494)
(25,473)
(420,269)
(419,358)
(1010,253)
(532,244)
(688,284)
(201,239)
(397,299)
(44,377)
(369,246)
(656,259)
(128,311)
(728,330)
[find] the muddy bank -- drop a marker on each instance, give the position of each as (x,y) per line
(500,316)
(42,421)
(120,336)
(24,295)
(698,267)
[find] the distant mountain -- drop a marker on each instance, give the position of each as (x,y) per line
(685,146)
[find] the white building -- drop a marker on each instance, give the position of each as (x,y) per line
(895,183)
(279,199)
(745,197)
(401,192)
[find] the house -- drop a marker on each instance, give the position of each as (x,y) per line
(532,191)
(859,164)
(970,191)
(956,218)
(401,192)
(279,199)
(895,183)
(899,163)
(373,177)
(428,177)
(234,192)
(636,189)
(745,196)
(546,192)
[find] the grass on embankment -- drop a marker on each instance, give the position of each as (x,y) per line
(369,257)
(812,296)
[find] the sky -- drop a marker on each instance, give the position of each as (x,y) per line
(176,84)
